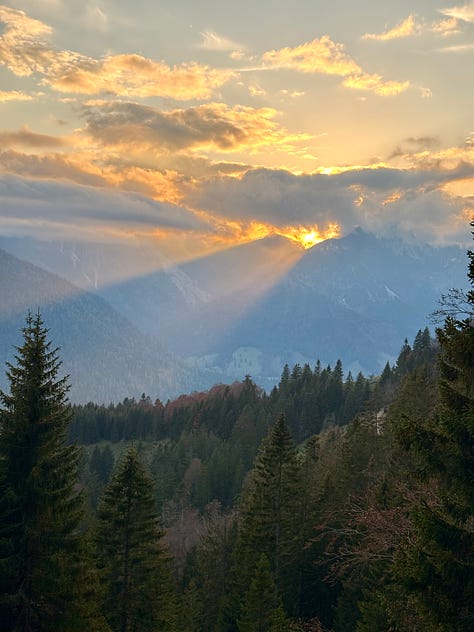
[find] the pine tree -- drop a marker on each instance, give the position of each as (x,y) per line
(133,566)
(271,507)
(437,566)
(41,558)
(262,610)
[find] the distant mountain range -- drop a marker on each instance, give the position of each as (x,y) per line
(253,308)
(106,356)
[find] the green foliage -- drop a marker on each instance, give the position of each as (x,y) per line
(435,567)
(270,513)
(41,565)
(261,609)
(133,567)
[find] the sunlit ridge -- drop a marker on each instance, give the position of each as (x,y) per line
(308,236)
(304,236)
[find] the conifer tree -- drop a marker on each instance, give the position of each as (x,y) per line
(437,567)
(133,567)
(270,511)
(262,610)
(42,567)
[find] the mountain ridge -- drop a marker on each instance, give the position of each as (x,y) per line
(252,308)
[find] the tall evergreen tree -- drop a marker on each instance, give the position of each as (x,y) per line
(134,570)
(270,512)
(41,567)
(437,566)
(262,610)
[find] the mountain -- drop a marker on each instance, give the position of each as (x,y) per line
(106,357)
(354,298)
(253,308)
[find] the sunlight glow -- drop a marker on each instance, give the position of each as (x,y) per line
(309,236)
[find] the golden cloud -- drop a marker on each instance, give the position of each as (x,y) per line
(136,76)
(406,28)
(410,27)
(14,95)
(22,46)
(376,84)
(327,57)
(318,56)
(24,50)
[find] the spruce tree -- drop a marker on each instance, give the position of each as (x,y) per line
(261,609)
(271,508)
(41,558)
(437,566)
(133,567)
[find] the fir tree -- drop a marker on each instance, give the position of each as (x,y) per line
(133,566)
(262,610)
(42,568)
(270,512)
(437,567)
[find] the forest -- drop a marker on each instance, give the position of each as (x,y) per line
(332,503)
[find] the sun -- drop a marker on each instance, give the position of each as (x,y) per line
(309,236)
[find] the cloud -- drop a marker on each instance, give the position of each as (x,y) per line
(414,145)
(214,126)
(376,84)
(24,50)
(379,199)
(461,48)
(24,137)
(75,13)
(14,95)
(464,12)
(166,182)
(330,58)
(405,28)
(411,26)
(137,76)
(318,56)
(212,41)
(445,27)
(53,207)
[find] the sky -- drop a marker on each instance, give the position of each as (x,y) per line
(202,125)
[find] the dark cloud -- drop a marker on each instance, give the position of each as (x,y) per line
(58,204)
(414,144)
(26,138)
(379,200)
(214,125)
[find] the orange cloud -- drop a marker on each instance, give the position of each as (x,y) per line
(22,46)
(24,137)
(90,170)
(24,50)
(137,76)
(327,57)
(376,84)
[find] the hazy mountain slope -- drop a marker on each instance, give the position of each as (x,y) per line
(106,357)
(355,298)
(251,308)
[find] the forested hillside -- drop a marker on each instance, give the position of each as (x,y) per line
(334,502)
